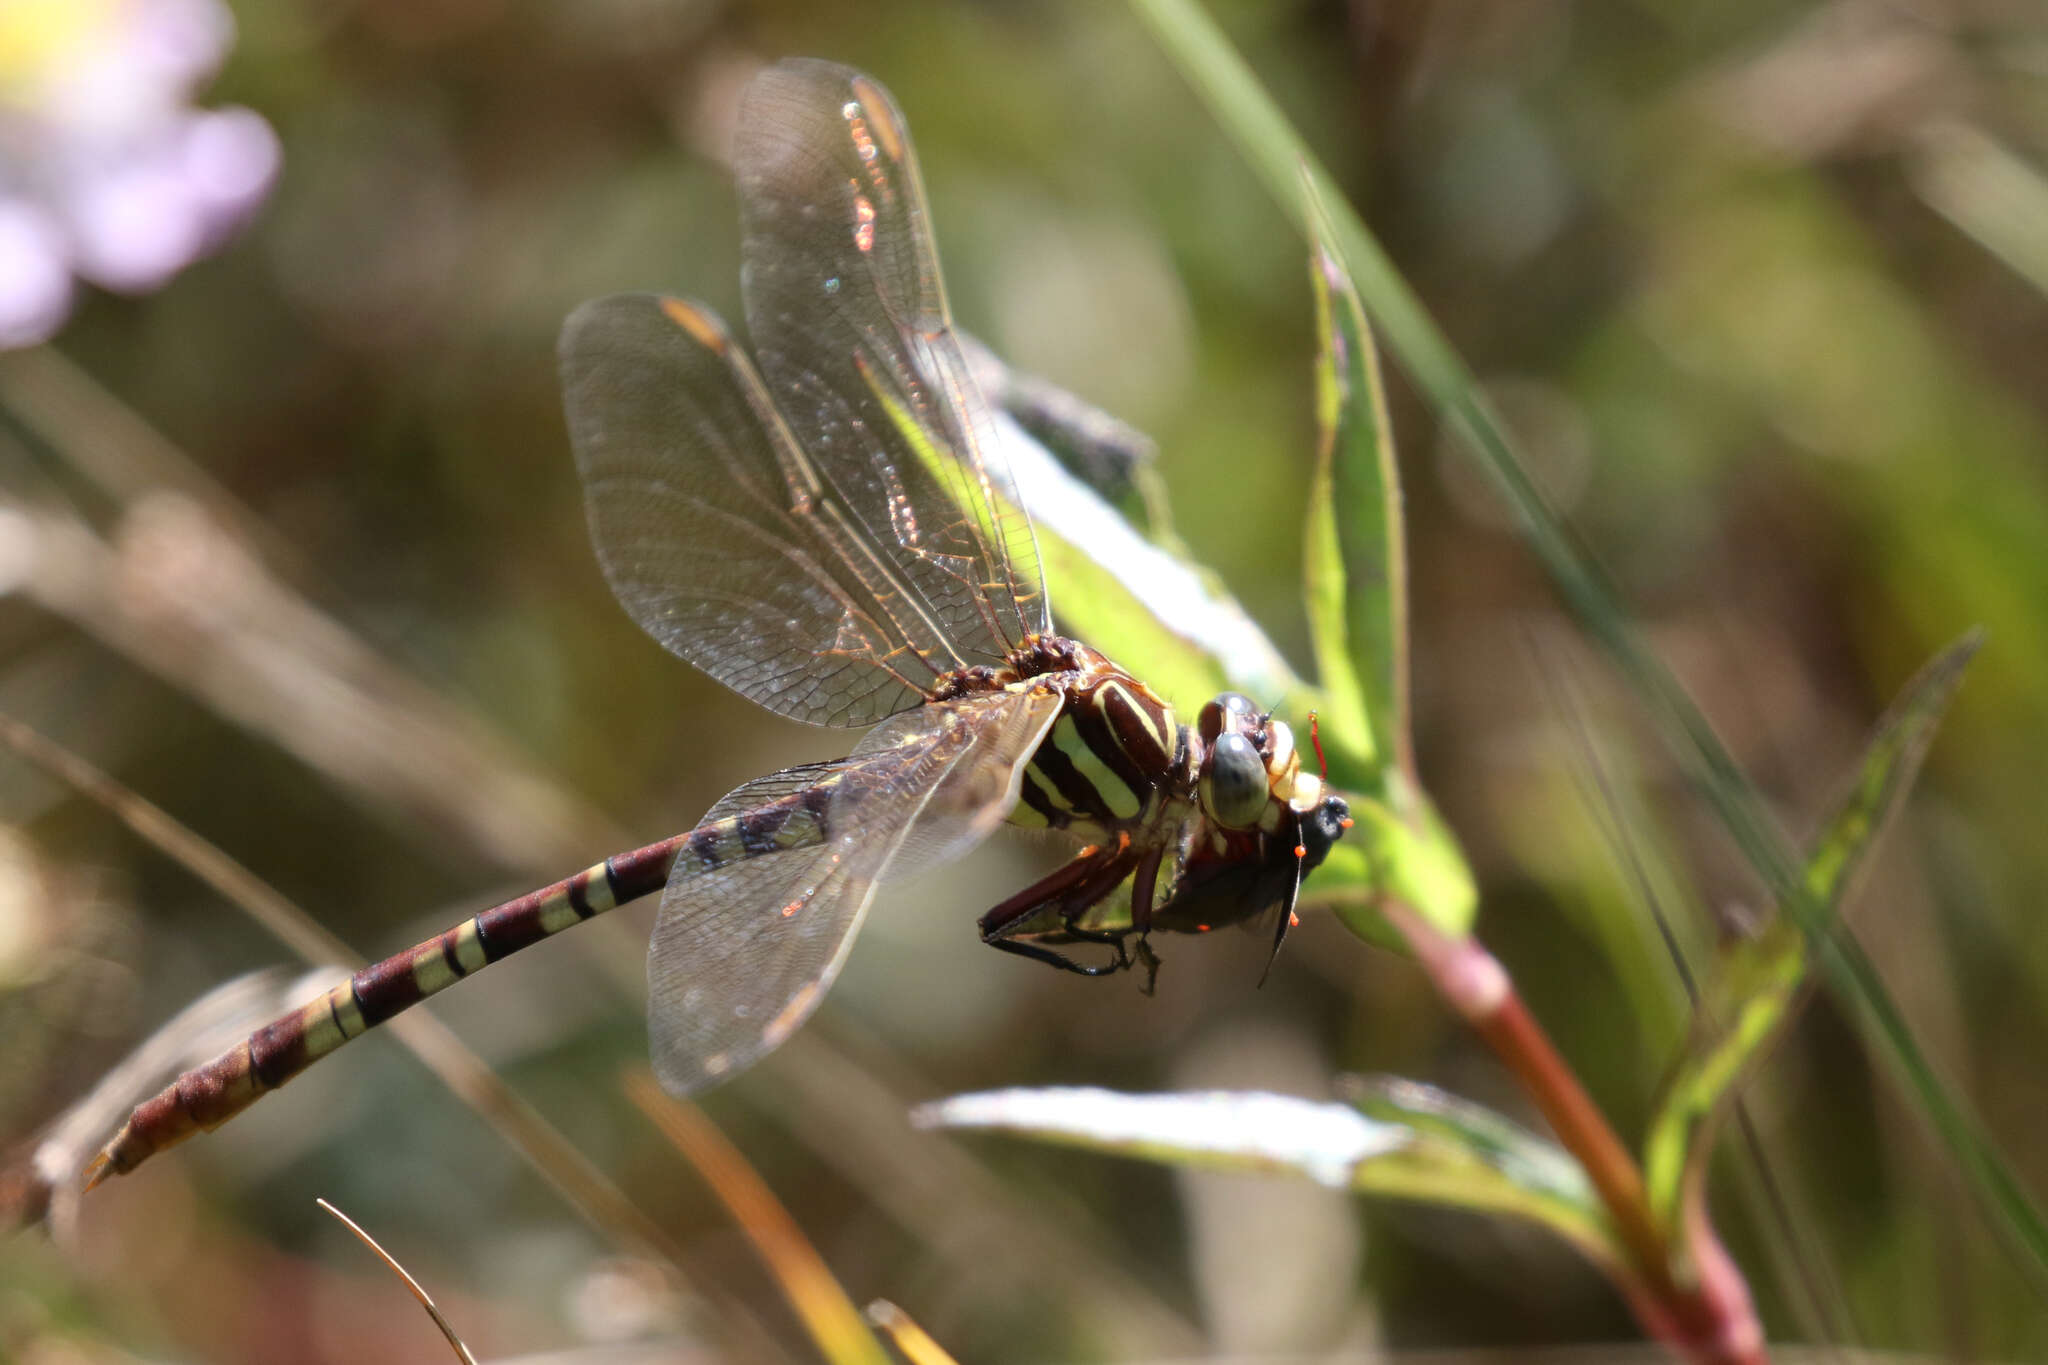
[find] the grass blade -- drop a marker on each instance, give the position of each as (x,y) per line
(419,1293)
(842,1335)
(911,1341)
(1890,763)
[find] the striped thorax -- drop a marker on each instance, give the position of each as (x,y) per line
(1111,759)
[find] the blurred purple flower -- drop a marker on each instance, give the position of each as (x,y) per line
(106,171)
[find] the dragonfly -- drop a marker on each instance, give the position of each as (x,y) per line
(828,526)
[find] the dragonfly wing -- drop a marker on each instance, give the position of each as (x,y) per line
(744,951)
(848,316)
(714,531)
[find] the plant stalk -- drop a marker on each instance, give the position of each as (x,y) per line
(1708,1315)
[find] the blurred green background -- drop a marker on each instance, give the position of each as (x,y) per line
(1759,285)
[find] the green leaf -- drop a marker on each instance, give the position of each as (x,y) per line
(1761,976)
(1403,1141)
(1402,852)
(1277,154)
(1890,763)
(1467,1155)
(1356,577)
(1356,556)
(1171,623)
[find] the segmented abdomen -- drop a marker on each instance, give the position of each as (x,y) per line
(210,1095)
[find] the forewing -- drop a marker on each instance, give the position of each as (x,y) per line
(744,952)
(848,317)
(709,527)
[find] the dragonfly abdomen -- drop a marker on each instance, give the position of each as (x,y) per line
(207,1096)
(797,820)
(383,989)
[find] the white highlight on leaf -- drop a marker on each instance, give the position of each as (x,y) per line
(1163,585)
(1326,1142)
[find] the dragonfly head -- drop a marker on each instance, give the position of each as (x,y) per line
(1220,890)
(1250,770)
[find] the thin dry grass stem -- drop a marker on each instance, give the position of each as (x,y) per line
(827,1312)
(426,1300)
(183,583)
(173,590)
(461,1070)
(87,426)
(911,1341)
(156,827)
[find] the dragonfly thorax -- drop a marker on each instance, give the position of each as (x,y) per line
(1117,762)
(1113,760)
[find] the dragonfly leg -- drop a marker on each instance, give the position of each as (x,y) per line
(1143,886)
(1038,952)
(1149,960)
(1068,894)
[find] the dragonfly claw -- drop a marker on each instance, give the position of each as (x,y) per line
(1149,960)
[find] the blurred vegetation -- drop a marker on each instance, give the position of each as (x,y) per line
(1758,287)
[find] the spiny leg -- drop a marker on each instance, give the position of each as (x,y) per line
(1149,960)
(1038,952)
(1070,892)
(1143,888)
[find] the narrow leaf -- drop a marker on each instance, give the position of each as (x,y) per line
(1276,153)
(1399,851)
(1356,554)
(1415,1143)
(1761,976)
(1890,763)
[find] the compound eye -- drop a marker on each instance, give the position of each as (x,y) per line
(1234,782)
(1222,714)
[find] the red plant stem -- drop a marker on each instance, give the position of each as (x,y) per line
(1513,1033)
(1711,1322)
